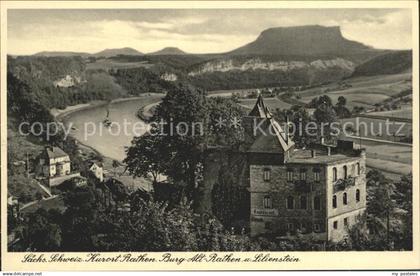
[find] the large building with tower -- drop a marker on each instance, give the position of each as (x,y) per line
(319,191)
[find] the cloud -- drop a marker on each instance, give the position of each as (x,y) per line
(196,31)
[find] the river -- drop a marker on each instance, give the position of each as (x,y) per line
(87,126)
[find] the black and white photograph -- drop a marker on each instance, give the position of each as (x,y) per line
(211,130)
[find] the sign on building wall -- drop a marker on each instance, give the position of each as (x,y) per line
(265,212)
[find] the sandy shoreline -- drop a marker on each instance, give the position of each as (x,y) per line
(61,113)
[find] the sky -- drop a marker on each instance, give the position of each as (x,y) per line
(194,31)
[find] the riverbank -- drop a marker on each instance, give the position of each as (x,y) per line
(103,142)
(59,114)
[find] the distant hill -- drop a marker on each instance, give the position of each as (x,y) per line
(393,62)
(302,41)
(60,54)
(169,51)
(116,52)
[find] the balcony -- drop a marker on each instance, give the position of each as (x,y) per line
(342,184)
(301,186)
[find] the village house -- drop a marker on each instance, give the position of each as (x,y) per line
(319,191)
(97,169)
(54,162)
(55,166)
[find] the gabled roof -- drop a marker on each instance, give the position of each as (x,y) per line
(274,139)
(55,152)
(91,163)
(260,110)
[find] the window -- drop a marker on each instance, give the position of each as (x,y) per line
(268,225)
(267,174)
(316,175)
(334,174)
(345,172)
(358,168)
(290,226)
(302,175)
(290,202)
(267,202)
(357,195)
(335,224)
(289,175)
(334,202)
(345,198)
(302,226)
(317,228)
(346,222)
(317,203)
(303,202)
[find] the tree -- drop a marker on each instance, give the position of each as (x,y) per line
(183,113)
(184,122)
(81,219)
(115,165)
(148,154)
(341,109)
(380,204)
(303,136)
(42,234)
(152,227)
(23,188)
(341,101)
(404,200)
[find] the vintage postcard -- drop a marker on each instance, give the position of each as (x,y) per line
(181,135)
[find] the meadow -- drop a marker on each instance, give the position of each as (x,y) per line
(108,64)
(362,91)
(405,113)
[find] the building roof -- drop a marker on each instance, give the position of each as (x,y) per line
(55,152)
(274,139)
(260,110)
(95,162)
(304,156)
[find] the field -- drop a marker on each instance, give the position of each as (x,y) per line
(107,64)
(272,103)
(354,99)
(362,91)
(392,159)
(405,113)
(379,128)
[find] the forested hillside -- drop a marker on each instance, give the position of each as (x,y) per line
(394,62)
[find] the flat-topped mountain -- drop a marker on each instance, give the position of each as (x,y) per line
(301,41)
(169,51)
(116,52)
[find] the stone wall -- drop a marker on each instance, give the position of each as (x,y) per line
(279,189)
(224,167)
(55,181)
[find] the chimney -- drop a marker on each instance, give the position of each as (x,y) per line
(328,151)
(313,153)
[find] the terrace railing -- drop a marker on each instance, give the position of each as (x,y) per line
(343,184)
